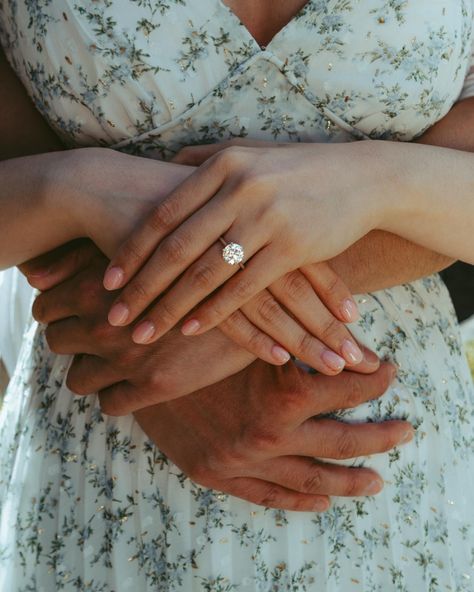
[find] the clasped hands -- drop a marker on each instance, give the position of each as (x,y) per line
(254,435)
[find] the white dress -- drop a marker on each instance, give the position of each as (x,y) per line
(87,503)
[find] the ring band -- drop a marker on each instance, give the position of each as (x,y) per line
(232,253)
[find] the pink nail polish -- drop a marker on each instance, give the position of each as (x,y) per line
(144,332)
(349,310)
(351,352)
(280,354)
(191,327)
(332,360)
(118,314)
(113,278)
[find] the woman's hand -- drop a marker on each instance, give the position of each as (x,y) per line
(286,240)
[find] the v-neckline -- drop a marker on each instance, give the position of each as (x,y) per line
(275,37)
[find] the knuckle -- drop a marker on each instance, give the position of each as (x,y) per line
(174,249)
(229,157)
(136,291)
(131,251)
(268,309)
(295,286)
(243,289)
(305,345)
(313,483)
(165,215)
(202,276)
(330,328)
(165,314)
(270,497)
(260,439)
(346,444)
(354,392)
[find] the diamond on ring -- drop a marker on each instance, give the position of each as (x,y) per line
(233,254)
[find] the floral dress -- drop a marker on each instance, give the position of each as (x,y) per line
(87,502)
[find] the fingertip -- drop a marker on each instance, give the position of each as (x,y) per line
(114,278)
(280,355)
(350,311)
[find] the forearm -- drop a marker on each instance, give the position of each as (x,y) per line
(34,218)
(381,260)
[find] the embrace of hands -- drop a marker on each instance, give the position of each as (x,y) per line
(286,300)
(244,427)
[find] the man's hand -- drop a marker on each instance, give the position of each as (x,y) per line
(256,435)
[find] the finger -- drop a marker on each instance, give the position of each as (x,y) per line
(317,478)
(89,374)
(188,197)
(68,337)
(328,438)
(319,394)
(271,495)
(261,271)
(54,305)
(196,283)
(332,291)
(196,155)
(238,328)
(267,314)
(55,267)
(196,238)
(296,293)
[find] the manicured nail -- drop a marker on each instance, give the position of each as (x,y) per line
(113,278)
(332,360)
(374,487)
(349,310)
(280,354)
(351,352)
(408,437)
(118,314)
(191,327)
(144,332)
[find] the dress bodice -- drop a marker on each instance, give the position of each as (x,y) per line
(151,76)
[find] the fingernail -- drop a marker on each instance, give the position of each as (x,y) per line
(144,332)
(118,314)
(371,357)
(40,272)
(191,327)
(113,278)
(332,360)
(280,354)
(407,437)
(351,352)
(349,310)
(374,487)
(321,506)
